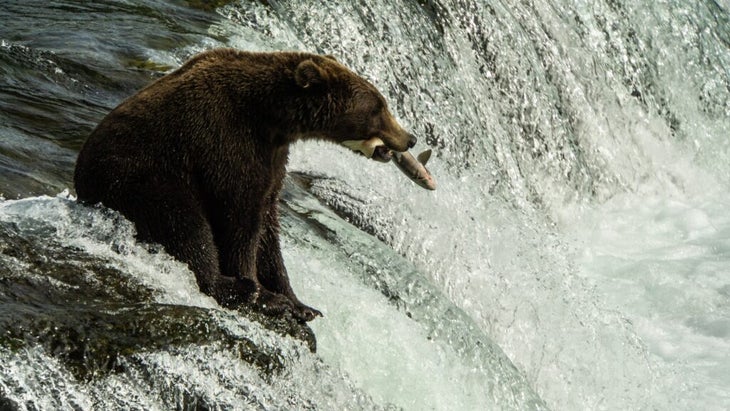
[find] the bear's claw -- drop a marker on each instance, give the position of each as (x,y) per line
(305,313)
(273,304)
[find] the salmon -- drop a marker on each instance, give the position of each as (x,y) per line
(415,168)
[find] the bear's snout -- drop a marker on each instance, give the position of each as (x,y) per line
(400,140)
(412,140)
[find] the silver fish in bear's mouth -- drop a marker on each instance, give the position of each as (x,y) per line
(413,167)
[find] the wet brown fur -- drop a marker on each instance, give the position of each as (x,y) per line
(196,160)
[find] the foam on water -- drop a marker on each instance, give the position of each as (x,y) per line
(664,263)
(383,351)
(110,237)
(388,354)
(386,345)
(179,376)
(540,112)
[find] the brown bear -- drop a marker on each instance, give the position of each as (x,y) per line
(197,158)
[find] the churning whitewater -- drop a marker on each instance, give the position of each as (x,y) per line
(576,254)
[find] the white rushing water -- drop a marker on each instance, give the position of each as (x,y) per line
(581,154)
(576,251)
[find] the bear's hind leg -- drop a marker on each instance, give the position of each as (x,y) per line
(169,214)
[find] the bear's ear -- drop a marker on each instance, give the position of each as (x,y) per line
(309,74)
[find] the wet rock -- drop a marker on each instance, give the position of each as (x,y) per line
(94,318)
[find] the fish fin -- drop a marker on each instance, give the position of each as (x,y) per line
(423,157)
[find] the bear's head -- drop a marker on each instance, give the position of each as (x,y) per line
(355,114)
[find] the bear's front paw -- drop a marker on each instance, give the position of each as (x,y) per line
(273,304)
(306,313)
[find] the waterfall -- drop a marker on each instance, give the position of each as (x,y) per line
(574,255)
